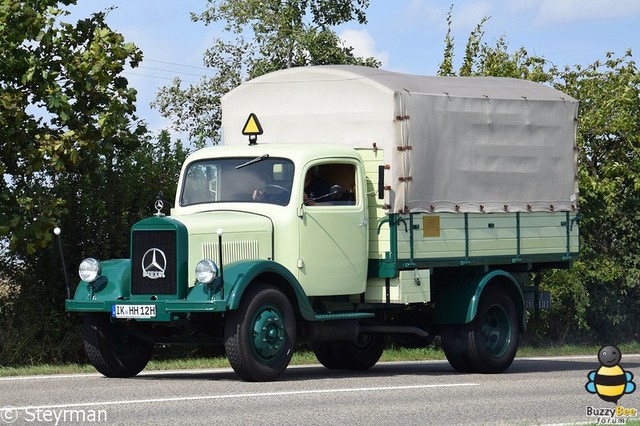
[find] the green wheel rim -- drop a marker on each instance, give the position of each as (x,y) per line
(268,333)
(496,331)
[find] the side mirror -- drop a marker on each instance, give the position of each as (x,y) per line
(336,192)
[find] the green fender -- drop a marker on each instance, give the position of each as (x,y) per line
(114,282)
(238,276)
(457,302)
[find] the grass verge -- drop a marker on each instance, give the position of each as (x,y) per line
(307,357)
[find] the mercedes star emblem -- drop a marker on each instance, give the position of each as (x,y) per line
(154,263)
(159,205)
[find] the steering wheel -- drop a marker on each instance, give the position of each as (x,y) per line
(281,197)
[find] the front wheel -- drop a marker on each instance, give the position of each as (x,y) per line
(111,350)
(489,343)
(260,334)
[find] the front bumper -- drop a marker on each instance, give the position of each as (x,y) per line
(166,310)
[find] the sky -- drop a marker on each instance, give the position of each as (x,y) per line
(405,35)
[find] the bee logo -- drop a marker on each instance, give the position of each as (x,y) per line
(610,381)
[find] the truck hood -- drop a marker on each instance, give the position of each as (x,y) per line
(245,236)
(230,221)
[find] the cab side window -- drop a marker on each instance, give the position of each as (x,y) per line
(331,184)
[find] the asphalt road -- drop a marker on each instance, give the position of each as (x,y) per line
(533,391)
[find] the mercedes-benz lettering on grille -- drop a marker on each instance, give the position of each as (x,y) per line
(154,263)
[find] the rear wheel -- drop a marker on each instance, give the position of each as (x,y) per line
(495,335)
(361,353)
(454,344)
(489,343)
(111,349)
(260,335)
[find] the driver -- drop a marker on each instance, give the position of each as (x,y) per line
(258,195)
(314,187)
(271,193)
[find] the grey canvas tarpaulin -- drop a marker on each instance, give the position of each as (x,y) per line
(466,144)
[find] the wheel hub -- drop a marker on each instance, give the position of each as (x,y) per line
(496,331)
(268,333)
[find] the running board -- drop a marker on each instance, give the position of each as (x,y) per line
(344,316)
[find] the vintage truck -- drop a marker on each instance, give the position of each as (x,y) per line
(348,207)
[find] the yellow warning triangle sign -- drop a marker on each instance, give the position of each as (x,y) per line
(252,126)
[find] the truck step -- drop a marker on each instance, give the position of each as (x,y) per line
(344,316)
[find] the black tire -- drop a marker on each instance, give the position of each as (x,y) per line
(260,334)
(494,336)
(489,343)
(360,354)
(454,344)
(112,351)
(326,355)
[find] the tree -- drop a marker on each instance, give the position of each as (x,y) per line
(103,205)
(100,208)
(482,59)
(609,158)
(264,36)
(64,107)
(73,154)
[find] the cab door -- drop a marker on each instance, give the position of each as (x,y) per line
(333,234)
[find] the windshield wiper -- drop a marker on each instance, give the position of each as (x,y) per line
(250,162)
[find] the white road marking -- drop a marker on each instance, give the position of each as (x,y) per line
(240,396)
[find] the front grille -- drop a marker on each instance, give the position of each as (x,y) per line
(232,251)
(153,262)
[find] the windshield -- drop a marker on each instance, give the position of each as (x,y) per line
(242,179)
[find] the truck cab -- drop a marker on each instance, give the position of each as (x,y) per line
(322,242)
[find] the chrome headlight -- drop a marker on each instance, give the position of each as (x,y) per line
(206,271)
(89,270)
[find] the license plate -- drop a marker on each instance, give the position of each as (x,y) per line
(133,311)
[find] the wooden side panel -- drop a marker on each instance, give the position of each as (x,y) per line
(492,234)
(489,235)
